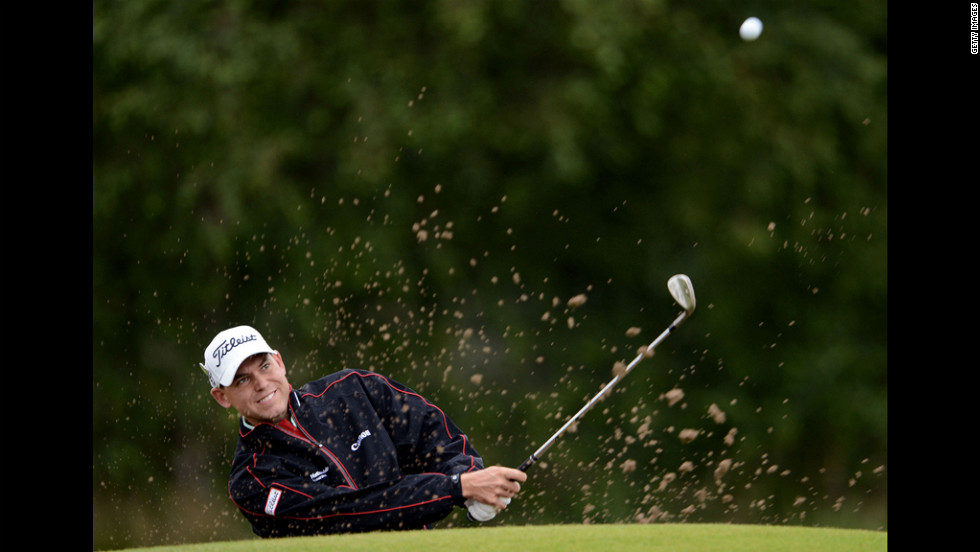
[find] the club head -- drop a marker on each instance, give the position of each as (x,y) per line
(683,292)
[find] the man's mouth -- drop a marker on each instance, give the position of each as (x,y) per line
(267,398)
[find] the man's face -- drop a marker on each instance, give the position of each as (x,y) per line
(259,391)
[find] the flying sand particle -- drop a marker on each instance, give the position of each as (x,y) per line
(730,437)
(673,396)
(577,301)
(619,369)
(687,435)
(717,414)
(723,468)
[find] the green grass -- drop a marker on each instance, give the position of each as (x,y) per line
(573,538)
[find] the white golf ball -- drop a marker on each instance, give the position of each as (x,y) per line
(751,29)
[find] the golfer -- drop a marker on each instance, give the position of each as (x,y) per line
(350,452)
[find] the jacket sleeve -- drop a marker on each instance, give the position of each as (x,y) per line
(425,438)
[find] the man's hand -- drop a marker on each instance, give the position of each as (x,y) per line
(492,484)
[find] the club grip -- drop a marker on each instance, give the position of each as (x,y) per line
(527,463)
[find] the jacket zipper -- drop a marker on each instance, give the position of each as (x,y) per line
(326,452)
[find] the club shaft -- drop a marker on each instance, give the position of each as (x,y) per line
(616,379)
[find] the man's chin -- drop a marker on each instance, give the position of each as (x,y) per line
(279,417)
(267,417)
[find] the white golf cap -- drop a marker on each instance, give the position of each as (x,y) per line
(228,350)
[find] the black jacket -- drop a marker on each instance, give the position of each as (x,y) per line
(372,454)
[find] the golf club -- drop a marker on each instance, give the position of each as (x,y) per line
(681,289)
(683,292)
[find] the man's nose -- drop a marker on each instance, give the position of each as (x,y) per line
(260,381)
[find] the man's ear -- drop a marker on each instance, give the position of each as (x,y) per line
(219,395)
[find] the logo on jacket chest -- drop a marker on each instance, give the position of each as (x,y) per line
(364,434)
(316,476)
